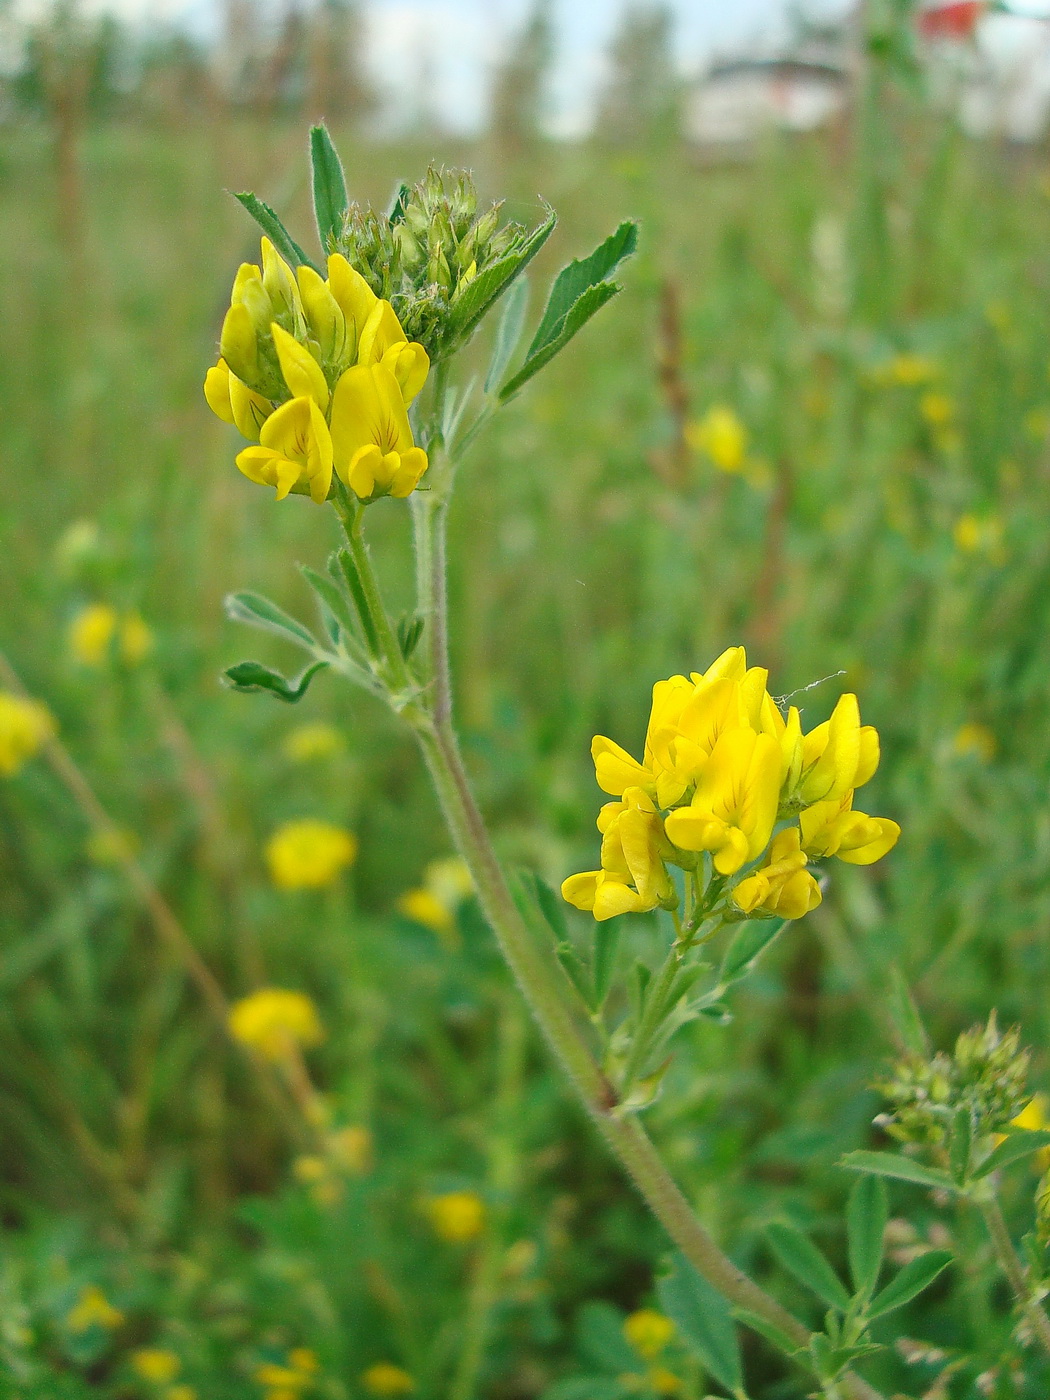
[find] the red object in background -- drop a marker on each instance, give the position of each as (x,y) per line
(956,20)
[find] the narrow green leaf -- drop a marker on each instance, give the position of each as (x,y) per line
(508,332)
(801,1257)
(773,1334)
(409,631)
(606,947)
(329,186)
(905,1015)
(580,276)
(486,289)
(572,965)
(900,1168)
(352,579)
(1020,1143)
(399,203)
(962,1141)
(912,1279)
(275,231)
(253,675)
(866,1216)
(747,944)
(581,311)
(552,908)
(258,611)
(703,1320)
(332,600)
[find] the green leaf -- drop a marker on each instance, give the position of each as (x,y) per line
(488,286)
(801,1257)
(344,561)
(275,231)
(579,290)
(552,908)
(585,306)
(905,1015)
(399,203)
(912,1279)
(508,332)
(900,1168)
(606,947)
(409,631)
(253,675)
(962,1141)
(329,185)
(258,611)
(748,943)
(703,1320)
(1020,1143)
(600,1339)
(772,1333)
(333,601)
(866,1216)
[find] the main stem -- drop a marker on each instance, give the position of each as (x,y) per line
(1011,1267)
(541,981)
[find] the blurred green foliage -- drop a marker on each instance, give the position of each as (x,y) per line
(889,533)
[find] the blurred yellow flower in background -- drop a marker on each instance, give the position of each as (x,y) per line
(93,1309)
(648,1331)
(975,534)
(272,1021)
(384,1378)
(938,409)
(179,1392)
(435,902)
(309,854)
(976,739)
(907,370)
(456,1216)
(111,845)
(288,1381)
(721,437)
(155,1364)
(98,628)
(24,725)
(310,742)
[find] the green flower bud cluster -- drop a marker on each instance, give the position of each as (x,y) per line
(424,256)
(986,1075)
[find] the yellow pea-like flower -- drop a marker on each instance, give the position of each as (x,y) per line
(230,399)
(839,755)
(280,285)
(309,854)
(648,1331)
(303,375)
(735,803)
(375,453)
(239,342)
(295,451)
(782,885)
(832,828)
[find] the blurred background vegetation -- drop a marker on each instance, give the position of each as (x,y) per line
(816,422)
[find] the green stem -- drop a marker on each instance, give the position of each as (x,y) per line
(652,1015)
(1011,1267)
(542,983)
(351,517)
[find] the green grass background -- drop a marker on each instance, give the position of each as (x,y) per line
(137,1150)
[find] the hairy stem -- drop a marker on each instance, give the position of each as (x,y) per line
(1012,1268)
(543,987)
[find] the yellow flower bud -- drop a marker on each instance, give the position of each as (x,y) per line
(239,343)
(302,373)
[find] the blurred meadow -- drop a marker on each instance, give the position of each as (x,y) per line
(816,422)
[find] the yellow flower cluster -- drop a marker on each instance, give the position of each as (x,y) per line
(309,854)
(730,791)
(318,374)
(650,1333)
(347,1151)
(272,1021)
(457,1217)
(288,1380)
(93,1309)
(24,725)
(384,1378)
(434,903)
(98,630)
